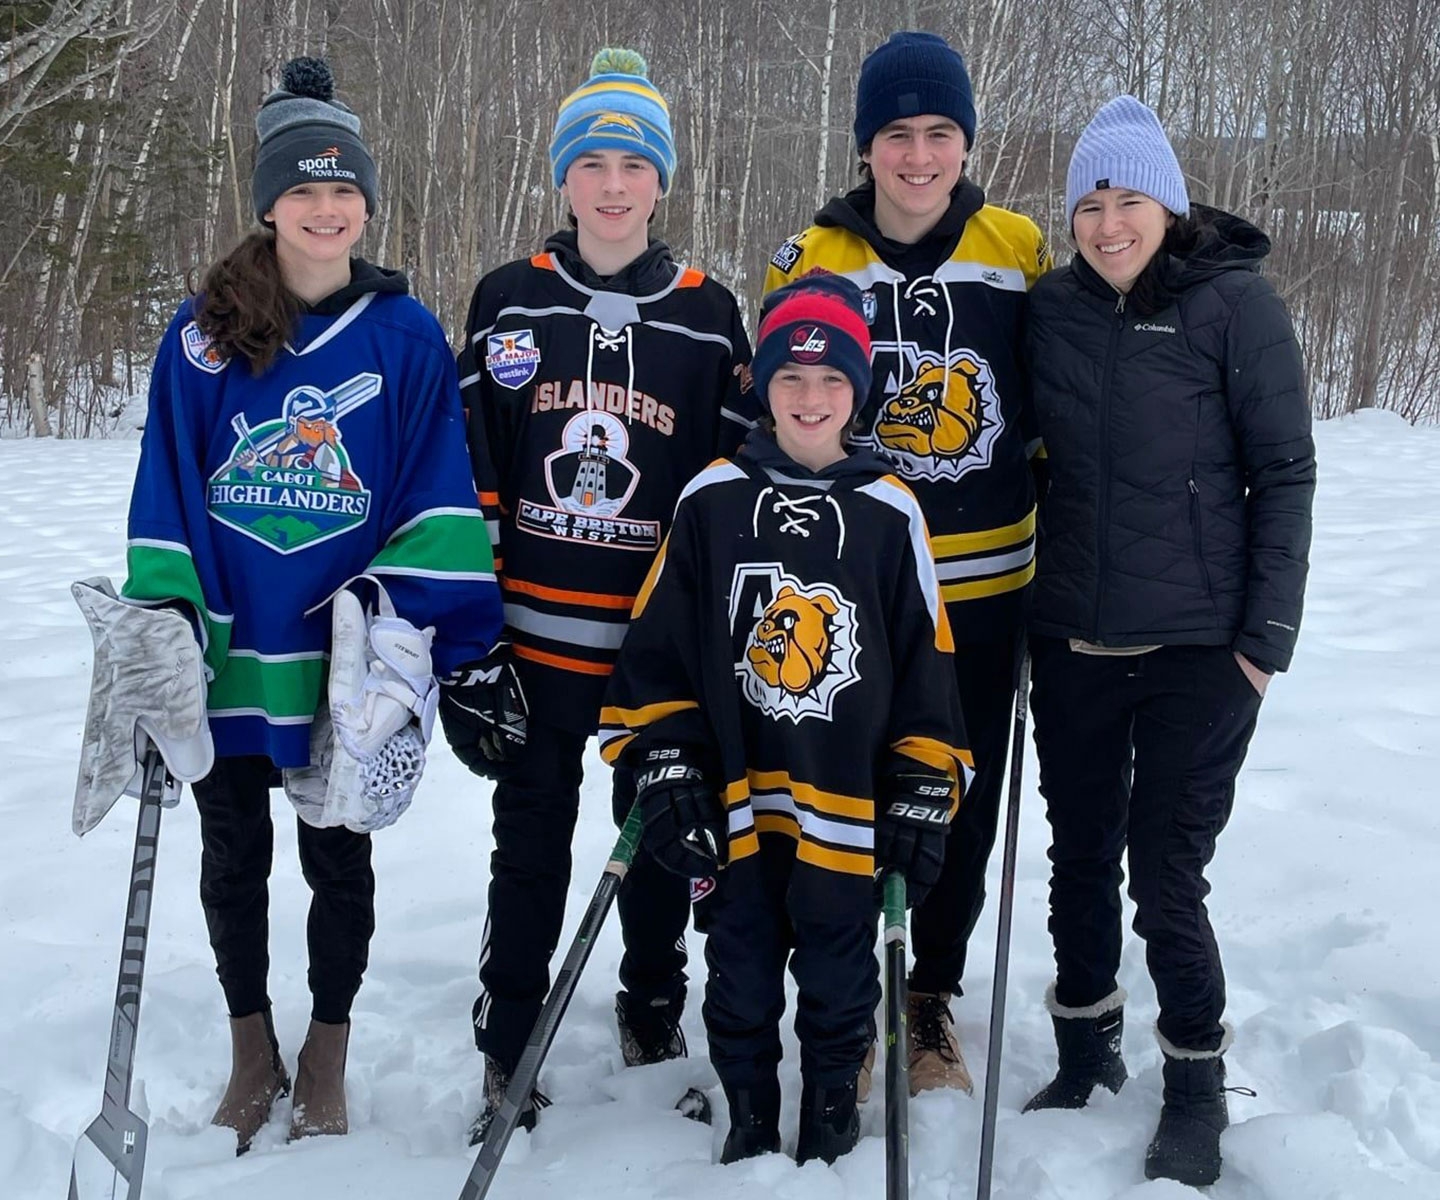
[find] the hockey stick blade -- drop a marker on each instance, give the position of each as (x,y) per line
(542,1036)
(109,1161)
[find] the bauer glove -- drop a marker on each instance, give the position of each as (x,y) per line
(685,825)
(483,712)
(911,828)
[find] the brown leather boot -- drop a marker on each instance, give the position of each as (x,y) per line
(935,1058)
(257,1078)
(320,1082)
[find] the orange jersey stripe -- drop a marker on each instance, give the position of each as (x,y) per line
(542,260)
(691,278)
(560,662)
(563,596)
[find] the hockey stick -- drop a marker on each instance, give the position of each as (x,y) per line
(1002,936)
(527,1071)
(897,1054)
(113,1145)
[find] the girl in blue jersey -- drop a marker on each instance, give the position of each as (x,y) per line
(304,428)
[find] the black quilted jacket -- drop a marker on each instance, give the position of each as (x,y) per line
(1181,464)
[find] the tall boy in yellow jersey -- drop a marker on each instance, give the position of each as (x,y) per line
(944,277)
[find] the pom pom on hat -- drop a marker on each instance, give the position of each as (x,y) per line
(617,60)
(308,77)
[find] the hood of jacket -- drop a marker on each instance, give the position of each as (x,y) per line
(364,278)
(855,212)
(647,273)
(763,451)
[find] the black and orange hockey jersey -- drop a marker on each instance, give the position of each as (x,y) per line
(791,636)
(590,402)
(950,402)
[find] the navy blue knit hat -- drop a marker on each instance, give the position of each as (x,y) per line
(308,136)
(912,75)
(816,320)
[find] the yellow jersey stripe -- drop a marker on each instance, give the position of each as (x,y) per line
(980,588)
(830,803)
(986,539)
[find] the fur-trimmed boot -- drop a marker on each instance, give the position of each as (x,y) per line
(1186,1146)
(257,1078)
(320,1082)
(1088,1042)
(829,1122)
(754,1121)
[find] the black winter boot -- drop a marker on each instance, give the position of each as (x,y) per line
(649,1033)
(1186,1146)
(754,1121)
(1088,1041)
(829,1122)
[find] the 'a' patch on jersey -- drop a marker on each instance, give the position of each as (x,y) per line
(199,350)
(512,357)
(785,258)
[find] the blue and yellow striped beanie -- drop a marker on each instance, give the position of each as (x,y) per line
(617,108)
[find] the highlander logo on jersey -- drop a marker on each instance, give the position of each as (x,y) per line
(943,422)
(590,482)
(511,358)
(288,483)
(869,306)
(199,350)
(808,344)
(800,642)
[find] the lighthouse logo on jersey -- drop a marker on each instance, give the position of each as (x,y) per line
(939,419)
(288,482)
(590,480)
(512,358)
(800,642)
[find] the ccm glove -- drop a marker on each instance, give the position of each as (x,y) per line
(685,826)
(911,828)
(483,711)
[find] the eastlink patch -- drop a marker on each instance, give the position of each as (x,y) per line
(786,256)
(512,358)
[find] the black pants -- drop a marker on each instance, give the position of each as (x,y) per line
(750,936)
(536,803)
(941,924)
(237,840)
(1140,752)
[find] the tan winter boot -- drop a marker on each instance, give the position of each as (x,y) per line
(257,1078)
(866,1076)
(320,1082)
(935,1058)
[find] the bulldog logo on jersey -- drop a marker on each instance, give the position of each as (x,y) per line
(942,421)
(289,483)
(800,642)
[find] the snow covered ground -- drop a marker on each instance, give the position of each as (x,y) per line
(1324,903)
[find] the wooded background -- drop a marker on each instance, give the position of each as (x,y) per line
(127,138)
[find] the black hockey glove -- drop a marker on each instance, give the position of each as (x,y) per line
(483,712)
(911,828)
(685,825)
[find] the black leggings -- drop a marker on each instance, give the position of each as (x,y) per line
(237,841)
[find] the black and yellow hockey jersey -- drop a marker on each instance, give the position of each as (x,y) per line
(950,403)
(791,636)
(590,402)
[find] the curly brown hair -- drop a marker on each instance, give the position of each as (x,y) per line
(243,305)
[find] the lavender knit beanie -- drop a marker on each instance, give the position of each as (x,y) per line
(1124,147)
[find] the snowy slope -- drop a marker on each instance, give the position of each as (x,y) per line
(1324,902)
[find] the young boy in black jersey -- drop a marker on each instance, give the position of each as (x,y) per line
(598,376)
(786,697)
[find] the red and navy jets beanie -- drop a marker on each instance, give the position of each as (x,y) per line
(817,319)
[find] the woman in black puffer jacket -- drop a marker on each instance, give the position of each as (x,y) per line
(1171,398)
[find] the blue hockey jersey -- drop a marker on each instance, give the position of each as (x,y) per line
(257,497)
